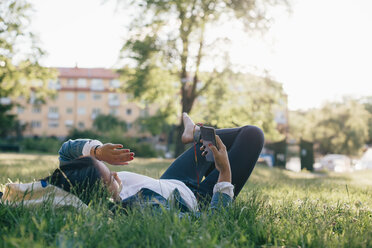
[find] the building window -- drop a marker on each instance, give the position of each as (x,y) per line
(53,110)
(129,111)
(69,110)
(97,84)
(36,109)
(35,124)
(113,96)
(113,111)
(54,84)
(6,100)
(82,83)
(81,96)
(69,123)
(20,110)
(81,125)
(53,113)
(129,126)
(114,99)
(53,124)
(97,96)
(95,112)
(81,111)
(70,82)
(70,96)
(114,83)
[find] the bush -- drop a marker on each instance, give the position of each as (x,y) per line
(82,134)
(140,148)
(43,144)
(144,150)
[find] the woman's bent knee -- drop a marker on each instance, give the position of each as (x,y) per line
(254,134)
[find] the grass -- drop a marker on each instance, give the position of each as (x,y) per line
(275,208)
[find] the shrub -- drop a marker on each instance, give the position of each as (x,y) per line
(43,144)
(82,134)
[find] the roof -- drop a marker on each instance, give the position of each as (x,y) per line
(76,72)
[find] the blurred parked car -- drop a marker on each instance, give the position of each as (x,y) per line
(366,161)
(336,162)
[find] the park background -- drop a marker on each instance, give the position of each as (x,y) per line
(296,69)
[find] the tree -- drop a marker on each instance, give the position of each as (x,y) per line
(7,120)
(367,102)
(238,99)
(105,123)
(20,72)
(172,34)
(337,127)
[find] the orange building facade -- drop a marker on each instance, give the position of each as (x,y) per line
(81,95)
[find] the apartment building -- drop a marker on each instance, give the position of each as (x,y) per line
(81,95)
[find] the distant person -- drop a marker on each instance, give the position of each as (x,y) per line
(81,165)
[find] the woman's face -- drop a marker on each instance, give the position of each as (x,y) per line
(111,180)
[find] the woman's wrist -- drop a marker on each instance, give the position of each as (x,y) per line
(96,152)
(225,174)
(224,177)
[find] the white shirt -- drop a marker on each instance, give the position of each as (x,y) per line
(133,182)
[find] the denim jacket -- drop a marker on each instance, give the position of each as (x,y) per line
(72,149)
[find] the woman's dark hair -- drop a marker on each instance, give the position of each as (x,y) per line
(80,176)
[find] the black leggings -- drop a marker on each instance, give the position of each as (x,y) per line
(243,145)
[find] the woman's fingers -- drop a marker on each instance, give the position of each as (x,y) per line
(127,155)
(219,142)
(213,148)
(120,151)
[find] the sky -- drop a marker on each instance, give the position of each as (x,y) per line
(320,52)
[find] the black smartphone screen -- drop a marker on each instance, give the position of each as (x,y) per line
(208,134)
(209,137)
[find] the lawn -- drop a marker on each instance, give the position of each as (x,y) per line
(275,208)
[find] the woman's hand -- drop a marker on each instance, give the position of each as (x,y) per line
(113,154)
(221,160)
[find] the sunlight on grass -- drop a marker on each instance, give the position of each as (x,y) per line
(275,208)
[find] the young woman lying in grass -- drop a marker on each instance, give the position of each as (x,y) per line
(81,167)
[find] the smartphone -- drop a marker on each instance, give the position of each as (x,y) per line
(208,136)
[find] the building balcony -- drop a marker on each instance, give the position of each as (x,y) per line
(53,115)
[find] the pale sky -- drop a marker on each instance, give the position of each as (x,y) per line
(322,51)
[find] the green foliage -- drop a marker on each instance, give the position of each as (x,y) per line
(368,106)
(167,46)
(307,210)
(19,69)
(238,99)
(7,120)
(44,144)
(337,127)
(160,122)
(115,135)
(139,147)
(82,134)
(20,72)
(104,123)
